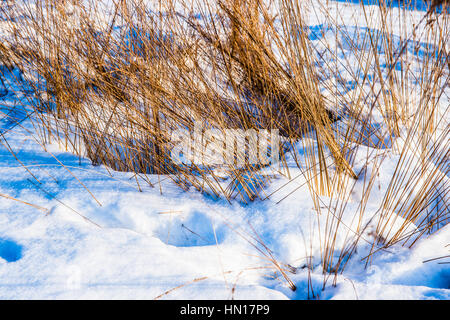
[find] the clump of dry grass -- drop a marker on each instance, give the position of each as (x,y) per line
(117,89)
(408,99)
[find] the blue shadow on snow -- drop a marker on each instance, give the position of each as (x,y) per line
(10,250)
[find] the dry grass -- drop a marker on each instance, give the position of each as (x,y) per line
(117,95)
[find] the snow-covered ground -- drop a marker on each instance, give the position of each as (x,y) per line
(73,230)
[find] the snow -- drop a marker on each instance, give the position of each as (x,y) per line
(95,233)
